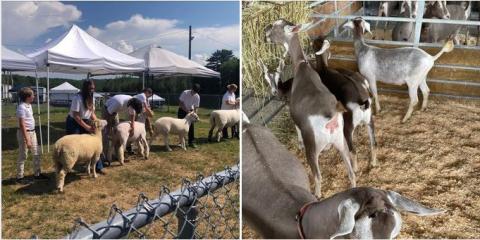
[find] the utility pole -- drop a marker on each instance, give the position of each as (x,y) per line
(190,38)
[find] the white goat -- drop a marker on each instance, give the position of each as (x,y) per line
(167,125)
(394,65)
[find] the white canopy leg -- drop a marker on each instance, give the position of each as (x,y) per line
(38,108)
(48,108)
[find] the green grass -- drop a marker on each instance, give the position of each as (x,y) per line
(37,209)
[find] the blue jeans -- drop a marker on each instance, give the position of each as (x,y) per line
(72,127)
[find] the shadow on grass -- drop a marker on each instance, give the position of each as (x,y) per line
(9,135)
(40,187)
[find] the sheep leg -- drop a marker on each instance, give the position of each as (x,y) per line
(93,163)
(425,92)
(220,133)
(88,168)
(121,154)
(210,133)
(165,138)
(301,146)
(342,146)
(140,147)
(412,92)
(373,142)
(60,176)
(182,142)
(110,152)
(146,148)
(348,133)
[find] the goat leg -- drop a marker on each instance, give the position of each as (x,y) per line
(412,92)
(373,142)
(348,134)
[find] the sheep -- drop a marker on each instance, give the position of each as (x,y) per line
(166,125)
(222,119)
(436,32)
(315,111)
(395,66)
(70,149)
(277,203)
(121,137)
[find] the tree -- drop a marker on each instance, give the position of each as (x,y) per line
(218,58)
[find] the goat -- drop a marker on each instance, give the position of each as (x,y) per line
(350,88)
(314,110)
(385,9)
(436,32)
(395,66)
(275,192)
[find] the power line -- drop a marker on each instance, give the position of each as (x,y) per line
(225,44)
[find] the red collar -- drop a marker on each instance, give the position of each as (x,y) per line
(299,218)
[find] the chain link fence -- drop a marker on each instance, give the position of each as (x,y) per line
(206,208)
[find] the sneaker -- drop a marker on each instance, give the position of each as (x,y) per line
(23,181)
(101,172)
(192,145)
(41,176)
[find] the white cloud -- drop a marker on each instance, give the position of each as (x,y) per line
(139,31)
(20,20)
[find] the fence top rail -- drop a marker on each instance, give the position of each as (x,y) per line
(396,19)
(121,223)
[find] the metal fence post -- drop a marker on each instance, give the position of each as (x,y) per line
(187,221)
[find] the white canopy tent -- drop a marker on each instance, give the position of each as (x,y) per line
(13,61)
(160,61)
(78,52)
(63,93)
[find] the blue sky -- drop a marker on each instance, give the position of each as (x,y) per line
(126,26)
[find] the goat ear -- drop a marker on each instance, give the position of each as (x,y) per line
(349,24)
(292,29)
(325,46)
(366,26)
(404,204)
(346,211)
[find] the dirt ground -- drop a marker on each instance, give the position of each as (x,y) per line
(434,158)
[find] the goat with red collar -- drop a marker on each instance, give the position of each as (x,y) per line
(277,202)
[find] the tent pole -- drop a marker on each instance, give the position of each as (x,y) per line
(143,80)
(48,107)
(38,108)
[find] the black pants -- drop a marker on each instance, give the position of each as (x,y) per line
(191,131)
(234,132)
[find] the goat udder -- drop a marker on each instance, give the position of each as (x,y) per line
(332,124)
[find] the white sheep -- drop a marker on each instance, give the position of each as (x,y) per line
(166,125)
(222,119)
(121,137)
(74,148)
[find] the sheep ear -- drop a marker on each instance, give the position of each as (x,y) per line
(325,46)
(346,211)
(404,204)
(349,25)
(245,118)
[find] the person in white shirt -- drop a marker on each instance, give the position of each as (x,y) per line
(26,136)
(147,113)
(230,102)
(121,104)
(189,101)
(82,113)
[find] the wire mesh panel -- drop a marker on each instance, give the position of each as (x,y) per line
(206,208)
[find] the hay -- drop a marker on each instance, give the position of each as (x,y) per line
(434,158)
(254,47)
